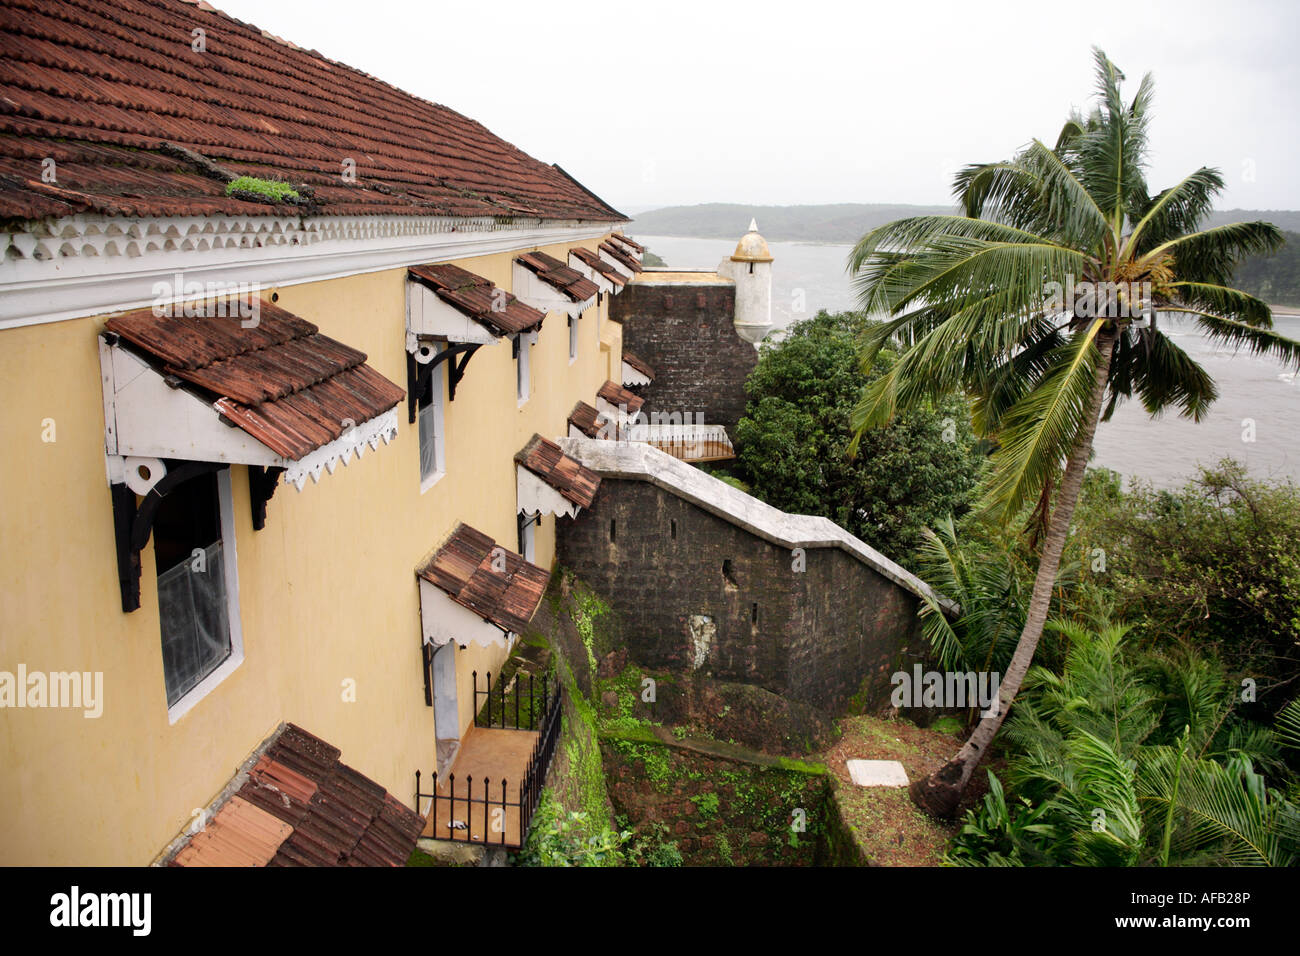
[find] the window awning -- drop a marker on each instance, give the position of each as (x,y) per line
(633,248)
(299,400)
(549,481)
(472,573)
(547,283)
(615,400)
(636,370)
(618,256)
(590,264)
(451,303)
(584,420)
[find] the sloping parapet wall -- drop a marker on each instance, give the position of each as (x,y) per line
(710,580)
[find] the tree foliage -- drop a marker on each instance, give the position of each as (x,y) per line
(794,440)
(1132,759)
(1215,563)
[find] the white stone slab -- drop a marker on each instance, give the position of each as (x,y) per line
(877,773)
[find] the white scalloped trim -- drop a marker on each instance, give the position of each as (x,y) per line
(354,441)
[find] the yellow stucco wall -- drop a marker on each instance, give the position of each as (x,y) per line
(327,591)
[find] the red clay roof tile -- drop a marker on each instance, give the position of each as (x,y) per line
(634,246)
(476,297)
(465,567)
(558,276)
(544,459)
(619,255)
(586,419)
(300,806)
(617,395)
(103,88)
(281,381)
(594,261)
(638,363)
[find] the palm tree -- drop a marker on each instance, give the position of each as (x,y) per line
(975,303)
(1113,768)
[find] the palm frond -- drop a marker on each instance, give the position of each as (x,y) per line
(1211,255)
(1038,432)
(1177,210)
(1164,375)
(1257,341)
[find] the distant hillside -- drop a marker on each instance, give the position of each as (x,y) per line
(842,222)
(1274,278)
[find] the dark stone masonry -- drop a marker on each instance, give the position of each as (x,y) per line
(699,594)
(684,330)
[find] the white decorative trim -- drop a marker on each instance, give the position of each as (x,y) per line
(534,495)
(443,621)
(340,451)
(632,377)
(90,265)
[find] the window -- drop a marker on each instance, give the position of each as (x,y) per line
(198,585)
(523,377)
(573,340)
(612,529)
(672,528)
(432,446)
(528,525)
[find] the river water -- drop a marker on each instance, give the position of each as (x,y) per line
(1256,419)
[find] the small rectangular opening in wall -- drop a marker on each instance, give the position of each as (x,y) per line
(753,613)
(672,528)
(612,529)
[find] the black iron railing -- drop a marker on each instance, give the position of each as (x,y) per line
(457,814)
(515,704)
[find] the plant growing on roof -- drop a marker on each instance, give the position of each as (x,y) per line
(974,302)
(268,189)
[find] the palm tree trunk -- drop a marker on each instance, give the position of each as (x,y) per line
(940,793)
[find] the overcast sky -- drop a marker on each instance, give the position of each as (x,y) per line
(662,103)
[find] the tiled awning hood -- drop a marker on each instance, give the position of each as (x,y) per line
(270,391)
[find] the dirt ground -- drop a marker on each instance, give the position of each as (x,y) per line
(883,820)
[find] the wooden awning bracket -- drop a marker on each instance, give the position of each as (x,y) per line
(133,523)
(419,374)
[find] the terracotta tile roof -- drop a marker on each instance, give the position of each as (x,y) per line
(620,255)
(617,395)
(300,806)
(635,246)
(463,567)
(638,363)
(559,276)
(545,460)
(586,419)
(282,382)
(594,261)
(139,124)
(478,298)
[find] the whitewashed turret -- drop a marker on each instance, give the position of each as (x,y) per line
(750,267)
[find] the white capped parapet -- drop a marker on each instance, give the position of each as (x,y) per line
(634,460)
